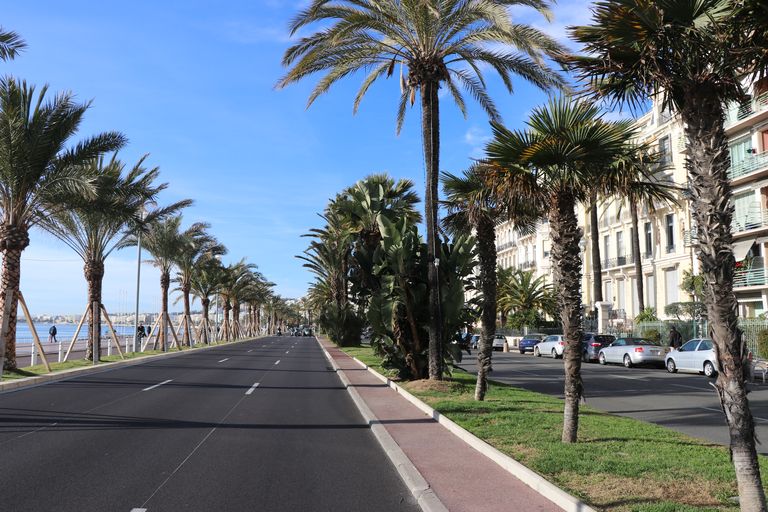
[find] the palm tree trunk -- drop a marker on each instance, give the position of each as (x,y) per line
(187,335)
(486,252)
(566,236)
(707,163)
(165,283)
(236,320)
(94,276)
(13,240)
(638,258)
(597,265)
(206,304)
(430,128)
(227,307)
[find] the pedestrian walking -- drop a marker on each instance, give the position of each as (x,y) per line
(140,332)
(675,338)
(52,334)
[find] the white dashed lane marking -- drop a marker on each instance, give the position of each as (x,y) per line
(277,362)
(157,385)
(225,359)
(252,389)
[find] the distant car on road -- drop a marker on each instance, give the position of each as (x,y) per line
(474,342)
(552,346)
(528,342)
(632,351)
(696,355)
(307,332)
(498,342)
(591,344)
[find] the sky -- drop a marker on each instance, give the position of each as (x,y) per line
(192,84)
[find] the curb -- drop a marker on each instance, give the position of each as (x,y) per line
(31,382)
(414,481)
(529,477)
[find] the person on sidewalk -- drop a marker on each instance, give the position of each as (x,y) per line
(675,338)
(52,334)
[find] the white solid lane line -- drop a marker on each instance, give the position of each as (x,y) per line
(225,359)
(157,385)
(138,510)
(252,388)
(277,362)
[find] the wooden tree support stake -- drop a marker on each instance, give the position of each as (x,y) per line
(31,325)
(112,331)
(77,333)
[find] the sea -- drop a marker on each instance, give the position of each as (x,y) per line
(64,331)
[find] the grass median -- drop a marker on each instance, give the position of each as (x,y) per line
(619,464)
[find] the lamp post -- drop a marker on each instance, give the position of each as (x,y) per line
(136,340)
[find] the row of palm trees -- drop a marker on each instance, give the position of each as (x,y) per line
(96,204)
(692,57)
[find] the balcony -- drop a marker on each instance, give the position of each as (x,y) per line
(749,277)
(527,265)
(737,113)
(690,237)
(752,220)
(505,246)
(752,163)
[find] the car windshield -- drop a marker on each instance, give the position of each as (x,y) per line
(642,341)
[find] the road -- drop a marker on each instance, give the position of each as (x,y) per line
(682,401)
(260,425)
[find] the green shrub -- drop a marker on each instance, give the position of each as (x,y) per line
(762,344)
(652,334)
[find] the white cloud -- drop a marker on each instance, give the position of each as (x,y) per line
(476,139)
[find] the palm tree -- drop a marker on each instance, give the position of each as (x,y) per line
(435,43)
(563,154)
(39,174)
(237,276)
(164,240)
(200,249)
(10,44)
(692,56)
(528,299)
(594,237)
(206,282)
(95,225)
(473,208)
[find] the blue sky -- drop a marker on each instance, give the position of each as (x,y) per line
(192,84)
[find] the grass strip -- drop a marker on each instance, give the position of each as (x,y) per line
(619,464)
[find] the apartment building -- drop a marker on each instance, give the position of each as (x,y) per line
(667,234)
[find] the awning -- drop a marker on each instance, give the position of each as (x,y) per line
(740,249)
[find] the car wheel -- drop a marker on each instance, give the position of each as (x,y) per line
(554,354)
(627,361)
(522,351)
(601,358)
(671,367)
(584,358)
(709,370)
(536,352)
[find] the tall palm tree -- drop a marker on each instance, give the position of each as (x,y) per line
(237,276)
(528,299)
(39,174)
(692,57)
(563,154)
(10,44)
(164,240)
(96,224)
(206,281)
(594,237)
(199,249)
(474,208)
(435,43)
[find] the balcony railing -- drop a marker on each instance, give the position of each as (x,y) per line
(505,245)
(690,237)
(749,277)
(752,220)
(738,113)
(752,163)
(527,265)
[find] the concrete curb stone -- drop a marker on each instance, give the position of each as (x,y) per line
(529,477)
(413,479)
(30,382)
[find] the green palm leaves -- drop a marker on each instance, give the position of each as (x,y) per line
(10,44)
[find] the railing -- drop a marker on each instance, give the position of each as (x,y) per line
(505,245)
(690,237)
(527,265)
(622,260)
(752,220)
(749,277)
(738,113)
(752,163)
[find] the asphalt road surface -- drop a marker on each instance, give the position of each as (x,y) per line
(682,401)
(263,425)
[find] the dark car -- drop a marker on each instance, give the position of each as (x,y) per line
(307,331)
(528,342)
(591,344)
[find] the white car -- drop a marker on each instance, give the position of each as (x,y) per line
(696,355)
(632,351)
(552,346)
(498,341)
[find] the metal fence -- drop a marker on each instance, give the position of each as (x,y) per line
(751,327)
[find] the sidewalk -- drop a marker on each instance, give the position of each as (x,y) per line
(461,477)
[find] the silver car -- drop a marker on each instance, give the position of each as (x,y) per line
(552,346)
(498,342)
(696,355)
(632,351)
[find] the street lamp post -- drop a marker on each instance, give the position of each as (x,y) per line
(136,340)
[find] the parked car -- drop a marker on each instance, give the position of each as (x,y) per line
(529,341)
(553,346)
(498,342)
(474,342)
(307,332)
(591,344)
(696,355)
(632,351)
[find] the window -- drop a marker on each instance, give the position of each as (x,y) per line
(648,239)
(620,298)
(671,286)
(632,243)
(665,152)
(606,247)
(607,295)
(650,291)
(705,345)
(669,222)
(746,211)
(620,247)
(689,347)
